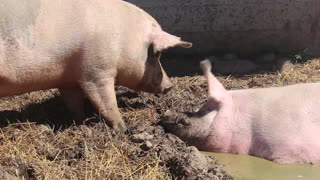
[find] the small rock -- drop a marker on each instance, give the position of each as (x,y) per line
(195,109)
(198,160)
(146,146)
(266,58)
(139,138)
(168,113)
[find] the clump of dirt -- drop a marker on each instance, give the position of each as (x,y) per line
(38,139)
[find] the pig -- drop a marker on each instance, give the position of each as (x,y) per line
(82,47)
(281,124)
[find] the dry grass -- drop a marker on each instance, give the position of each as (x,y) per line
(299,73)
(36,152)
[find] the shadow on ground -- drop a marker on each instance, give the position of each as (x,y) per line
(51,111)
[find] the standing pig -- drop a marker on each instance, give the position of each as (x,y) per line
(281,124)
(81,46)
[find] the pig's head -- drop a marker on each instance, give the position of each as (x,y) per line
(191,127)
(155,79)
(144,72)
(196,127)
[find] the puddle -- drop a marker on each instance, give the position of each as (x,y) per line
(244,167)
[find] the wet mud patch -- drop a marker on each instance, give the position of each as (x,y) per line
(34,146)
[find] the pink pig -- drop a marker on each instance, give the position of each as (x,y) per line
(281,124)
(82,47)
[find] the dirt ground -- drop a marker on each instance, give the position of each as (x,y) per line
(38,139)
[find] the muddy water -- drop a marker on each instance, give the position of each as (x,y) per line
(244,167)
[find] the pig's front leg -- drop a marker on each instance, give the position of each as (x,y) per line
(102,93)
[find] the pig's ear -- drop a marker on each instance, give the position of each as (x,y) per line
(209,106)
(216,91)
(162,40)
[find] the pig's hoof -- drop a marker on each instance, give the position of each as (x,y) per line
(120,126)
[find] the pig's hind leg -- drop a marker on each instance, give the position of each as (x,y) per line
(216,91)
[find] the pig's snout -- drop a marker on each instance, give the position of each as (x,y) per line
(166,84)
(166,90)
(176,123)
(167,87)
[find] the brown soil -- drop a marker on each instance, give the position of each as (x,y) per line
(39,140)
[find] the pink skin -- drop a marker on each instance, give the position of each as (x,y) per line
(281,124)
(82,46)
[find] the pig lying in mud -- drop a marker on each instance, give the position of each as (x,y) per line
(281,124)
(82,47)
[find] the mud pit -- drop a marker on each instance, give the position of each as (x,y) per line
(39,141)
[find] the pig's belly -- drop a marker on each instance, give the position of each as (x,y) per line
(304,147)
